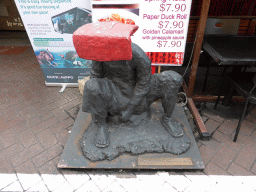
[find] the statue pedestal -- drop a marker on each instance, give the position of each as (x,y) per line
(153,133)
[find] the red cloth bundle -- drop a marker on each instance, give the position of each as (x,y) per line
(104,41)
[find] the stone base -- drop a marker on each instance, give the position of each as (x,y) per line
(146,146)
(149,137)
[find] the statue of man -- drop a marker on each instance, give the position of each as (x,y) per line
(125,88)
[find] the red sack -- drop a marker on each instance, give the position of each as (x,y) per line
(104,41)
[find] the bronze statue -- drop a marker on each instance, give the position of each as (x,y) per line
(121,89)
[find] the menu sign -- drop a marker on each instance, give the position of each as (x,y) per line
(163,24)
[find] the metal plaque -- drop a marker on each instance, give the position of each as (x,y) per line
(164,161)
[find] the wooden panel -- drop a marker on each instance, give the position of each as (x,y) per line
(226,8)
(243,28)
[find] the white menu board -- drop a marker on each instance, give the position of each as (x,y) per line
(163,24)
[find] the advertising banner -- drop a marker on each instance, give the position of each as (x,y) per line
(163,25)
(50,25)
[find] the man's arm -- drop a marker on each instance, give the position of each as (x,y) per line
(97,70)
(143,74)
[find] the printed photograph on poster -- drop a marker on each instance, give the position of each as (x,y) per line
(126,12)
(62,65)
(69,21)
(65,58)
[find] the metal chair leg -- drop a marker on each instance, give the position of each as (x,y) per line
(218,99)
(222,83)
(242,118)
(206,77)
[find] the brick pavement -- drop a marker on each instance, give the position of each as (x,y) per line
(35,121)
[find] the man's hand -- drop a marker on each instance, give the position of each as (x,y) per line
(126,115)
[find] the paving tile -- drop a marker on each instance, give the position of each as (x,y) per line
(8,124)
(179,182)
(43,103)
(23,104)
(247,127)
(248,182)
(50,167)
(213,117)
(64,187)
(225,182)
(150,182)
(57,104)
(10,151)
(27,138)
(246,156)
(191,173)
(26,124)
(89,185)
(8,138)
(2,120)
(38,187)
(60,114)
(200,182)
(251,117)
(4,106)
(62,136)
(27,175)
(253,136)
(76,180)
(130,184)
(212,125)
(228,127)
(237,170)
(55,95)
(224,157)
(46,138)
(27,113)
(26,154)
(41,95)
(254,168)
(195,188)
(166,187)
(13,94)
(114,187)
(45,114)
(44,125)
(62,125)
(74,111)
(71,104)
(20,127)
(6,167)
(53,181)
(13,187)
(212,169)
(69,95)
(228,141)
(102,181)
(47,155)
(209,149)
(7,179)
